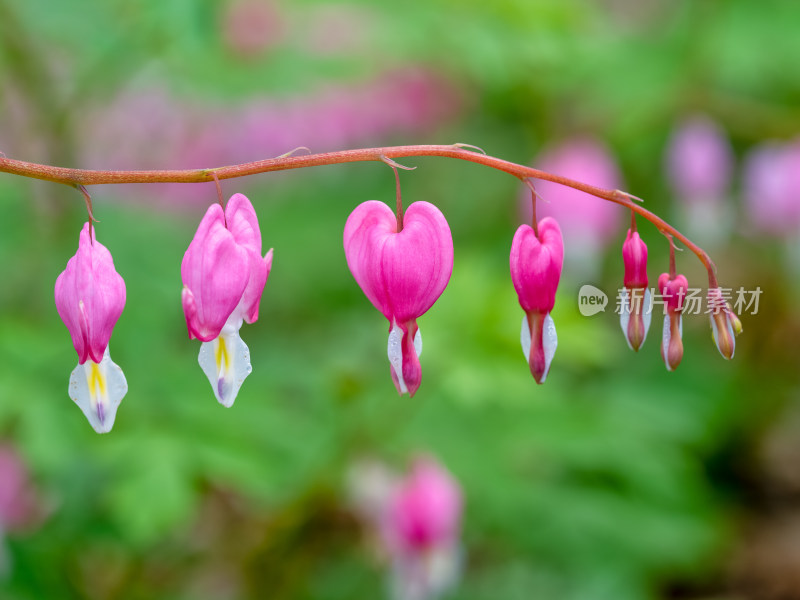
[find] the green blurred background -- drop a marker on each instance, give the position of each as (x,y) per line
(613,480)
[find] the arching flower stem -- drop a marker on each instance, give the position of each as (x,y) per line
(76,177)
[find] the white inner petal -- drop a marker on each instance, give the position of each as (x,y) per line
(98,389)
(647,312)
(395,353)
(525,337)
(625,313)
(626,309)
(550,343)
(665,338)
(715,329)
(226,362)
(418,343)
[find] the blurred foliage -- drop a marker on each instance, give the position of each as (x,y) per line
(614,480)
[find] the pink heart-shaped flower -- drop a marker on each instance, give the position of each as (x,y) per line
(402,273)
(535,264)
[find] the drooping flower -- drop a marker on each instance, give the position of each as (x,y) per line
(535,264)
(402,273)
(90,296)
(725,325)
(421,528)
(223,276)
(635,311)
(673,291)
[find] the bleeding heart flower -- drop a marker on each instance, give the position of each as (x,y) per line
(536,270)
(635,311)
(402,273)
(223,277)
(673,291)
(425,510)
(90,296)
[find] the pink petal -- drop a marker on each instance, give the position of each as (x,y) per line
(215,269)
(536,265)
(634,257)
(241,221)
(259,272)
(243,224)
(365,233)
(673,291)
(403,273)
(90,297)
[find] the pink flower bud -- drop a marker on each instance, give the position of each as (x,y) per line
(90,296)
(635,310)
(673,291)
(535,265)
(223,276)
(402,274)
(725,325)
(634,256)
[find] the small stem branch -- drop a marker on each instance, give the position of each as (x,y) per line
(88,200)
(219,190)
(399,199)
(673,271)
(74,177)
(534,197)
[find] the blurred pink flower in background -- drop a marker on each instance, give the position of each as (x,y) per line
(425,509)
(587,223)
(771,189)
(339,29)
(699,166)
(416,522)
(250,27)
(699,161)
(153,129)
(20,508)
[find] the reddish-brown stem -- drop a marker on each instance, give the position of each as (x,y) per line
(633,222)
(88,200)
(534,197)
(673,271)
(84,177)
(399,199)
(219,190)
